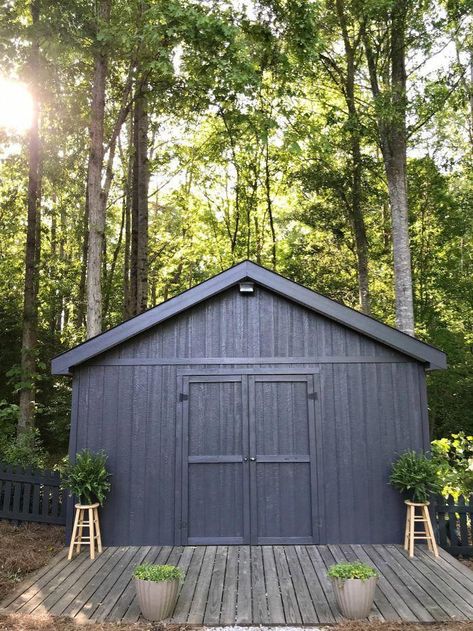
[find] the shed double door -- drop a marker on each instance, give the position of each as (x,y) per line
(248,473)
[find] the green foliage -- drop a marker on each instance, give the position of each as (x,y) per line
(25,450)
(346,571)
(8,417)
(454,458)
(158,573)
(415,474)
(87,478)
(250,157)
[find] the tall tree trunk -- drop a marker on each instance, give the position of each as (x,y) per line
(127,306)
(470,97)
(396,173)
(355,207)
(94,185)
(269,206)
(30,305)
(139,231)
(81,298)
(392,132)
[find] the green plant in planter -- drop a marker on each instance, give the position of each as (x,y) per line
(346,571)
(158,573)
(87,478)
(415,475)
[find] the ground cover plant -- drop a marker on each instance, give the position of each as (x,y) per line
(158,573)
(345,571)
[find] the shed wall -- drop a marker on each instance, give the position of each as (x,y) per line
(261,325)
(372,405)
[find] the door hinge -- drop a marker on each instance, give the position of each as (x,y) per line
(313,395)
(183,397)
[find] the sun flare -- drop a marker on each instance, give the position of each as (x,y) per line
(16,105)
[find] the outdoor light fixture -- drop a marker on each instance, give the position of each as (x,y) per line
(246,287)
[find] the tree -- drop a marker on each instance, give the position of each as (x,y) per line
(390,105)
(139,204)
(33,239)
(95,201)
(343,74)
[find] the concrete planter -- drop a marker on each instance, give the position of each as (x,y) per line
(354,596)
(156,599)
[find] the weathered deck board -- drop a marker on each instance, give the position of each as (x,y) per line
(187,592)
(255,585)
(199,602)
(229,597)
(398,586)
(396,601)
(214,600)
(243,613)
(416,588)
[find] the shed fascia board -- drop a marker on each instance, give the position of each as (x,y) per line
(62,364)
(360,322)
(366,325)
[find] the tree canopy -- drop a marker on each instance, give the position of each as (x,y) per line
(331,140)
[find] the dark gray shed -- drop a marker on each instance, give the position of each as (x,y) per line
(250,409)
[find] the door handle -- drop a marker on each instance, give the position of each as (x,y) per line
(253,459)
(245,459)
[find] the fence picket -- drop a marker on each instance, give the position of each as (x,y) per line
(30,495)
(455,524)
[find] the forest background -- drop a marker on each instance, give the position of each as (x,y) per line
(331,141)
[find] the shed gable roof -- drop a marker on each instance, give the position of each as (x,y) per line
(247,270)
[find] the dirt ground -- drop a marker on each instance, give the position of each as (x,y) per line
(26,548)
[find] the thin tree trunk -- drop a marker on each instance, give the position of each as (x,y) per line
(470,97)
(95,198)
(355,208)
(142,182)
(30,306)
(116,252)
(81,299)
(269,206)
(139,230)
(127,308)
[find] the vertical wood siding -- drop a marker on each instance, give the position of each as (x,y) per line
(367,413)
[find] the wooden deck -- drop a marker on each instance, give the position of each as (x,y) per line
(244,585)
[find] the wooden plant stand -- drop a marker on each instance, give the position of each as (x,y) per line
(87,516)
(413,518)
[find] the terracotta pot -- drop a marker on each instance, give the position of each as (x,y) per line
(156,599)
(354,596)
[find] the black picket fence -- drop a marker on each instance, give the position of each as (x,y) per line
(31,495)
(455,524)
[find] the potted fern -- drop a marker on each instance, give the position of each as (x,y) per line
(157,587)
(87,479)
(415,476)
(354,585)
